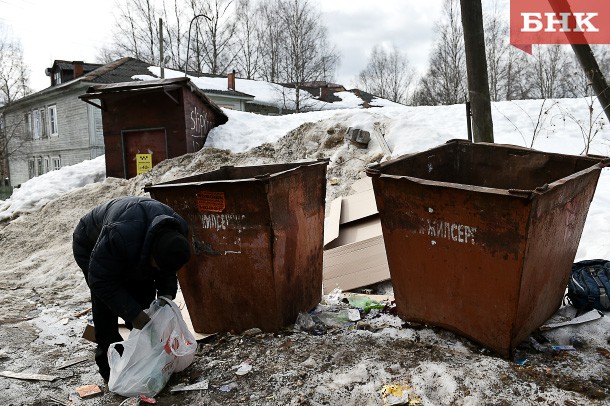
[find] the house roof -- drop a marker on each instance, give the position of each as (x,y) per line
(69,65)
(117,71)
(121,70)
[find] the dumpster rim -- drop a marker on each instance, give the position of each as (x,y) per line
(260,178)
(376,172)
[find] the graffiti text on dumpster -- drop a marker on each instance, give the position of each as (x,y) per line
(222,221)
(450,231)
(231,222)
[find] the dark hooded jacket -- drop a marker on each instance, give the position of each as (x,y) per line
(112,245)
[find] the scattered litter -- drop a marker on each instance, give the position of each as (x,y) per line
(88,391)
(203,385)
(536,345)
(353,314)
(27,376)
(363,302)
(71,362)
(135,401)
(562,348)
(14,321)
(338,319)
(521,361)
(578,342)
(64,321)
(82,313)
(333,181)
(334,297)
(394,394)
(228,387)
(304,322)
(587,317)
(57,401)
(244,368)
(3,354)
(147,399)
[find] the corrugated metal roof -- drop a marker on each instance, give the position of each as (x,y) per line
(98,91)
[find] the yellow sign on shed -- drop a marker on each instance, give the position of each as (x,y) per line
(144,163)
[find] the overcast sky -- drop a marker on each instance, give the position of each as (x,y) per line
(75,29)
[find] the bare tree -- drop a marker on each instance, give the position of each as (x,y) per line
(506,65)
(301,60)
(136,32)
(14,74)
(388,74)
(547,73)
(213,45)
(271,36)
(445,80)
(249,55)
(14,84)
(174,34)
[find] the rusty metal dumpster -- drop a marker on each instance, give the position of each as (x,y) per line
(480,238)
(257,239)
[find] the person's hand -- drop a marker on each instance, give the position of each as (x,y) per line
(141,320)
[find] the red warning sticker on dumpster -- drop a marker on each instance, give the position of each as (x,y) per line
(211,202)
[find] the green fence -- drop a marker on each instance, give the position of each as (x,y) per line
(5,192)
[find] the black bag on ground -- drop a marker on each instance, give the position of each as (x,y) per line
(589,285)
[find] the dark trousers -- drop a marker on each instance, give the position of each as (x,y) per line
(105,320)
(107,325)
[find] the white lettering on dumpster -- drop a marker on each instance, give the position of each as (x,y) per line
(451,231)
(221,221)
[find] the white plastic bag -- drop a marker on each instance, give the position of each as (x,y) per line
(150,356)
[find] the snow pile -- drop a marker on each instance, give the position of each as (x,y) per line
(38,191)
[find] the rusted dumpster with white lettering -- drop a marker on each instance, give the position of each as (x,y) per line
(257,238)
(480,238)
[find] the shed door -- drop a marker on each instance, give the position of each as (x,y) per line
(148,146)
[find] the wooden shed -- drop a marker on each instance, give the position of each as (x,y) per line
(146,122)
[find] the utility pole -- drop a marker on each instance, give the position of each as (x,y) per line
(476,66)
(161,58)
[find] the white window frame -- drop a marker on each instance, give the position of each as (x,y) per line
(56,162)
(57,76)
(45,164)
(52,118)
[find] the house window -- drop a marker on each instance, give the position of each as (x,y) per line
(31,168)
(53,120)
(27,120)
(56,162)
(39,166)
(36,121)
(45,164)
(57,77)
(43,125)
